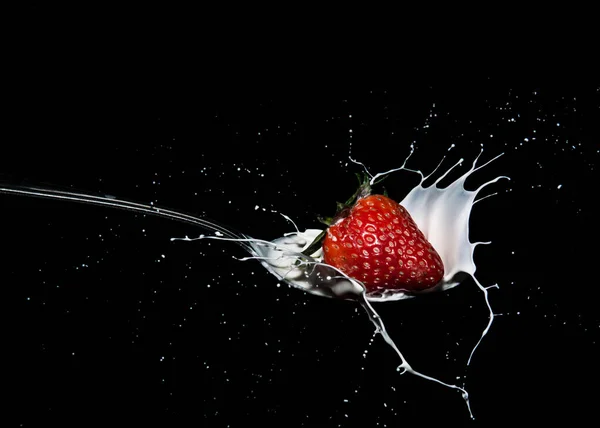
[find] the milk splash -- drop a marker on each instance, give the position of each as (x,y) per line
(442,214)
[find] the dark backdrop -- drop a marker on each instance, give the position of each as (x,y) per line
(114,322)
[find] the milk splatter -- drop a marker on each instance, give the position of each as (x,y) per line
(442,214)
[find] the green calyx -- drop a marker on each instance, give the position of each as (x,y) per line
(343,209)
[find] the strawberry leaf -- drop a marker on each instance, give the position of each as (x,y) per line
(327,221)
(343,209)
(315,245)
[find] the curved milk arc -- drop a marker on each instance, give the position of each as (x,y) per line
(442,214)
(283,258)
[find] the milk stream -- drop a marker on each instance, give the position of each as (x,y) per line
(442,214)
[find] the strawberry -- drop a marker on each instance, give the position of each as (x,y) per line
(377,242)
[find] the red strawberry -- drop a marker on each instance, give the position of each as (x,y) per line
(377,242)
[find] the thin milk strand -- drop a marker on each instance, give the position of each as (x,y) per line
(442,214)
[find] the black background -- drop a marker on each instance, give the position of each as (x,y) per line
(114,322)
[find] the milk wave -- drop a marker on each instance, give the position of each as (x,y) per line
(442,214)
